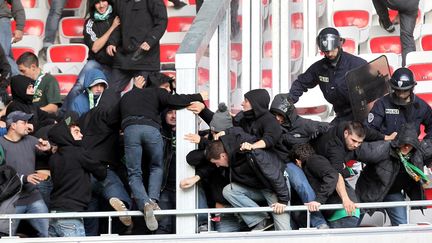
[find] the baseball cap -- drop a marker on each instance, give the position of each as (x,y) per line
(17,116)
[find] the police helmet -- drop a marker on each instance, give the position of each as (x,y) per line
(329,39)
(402,79)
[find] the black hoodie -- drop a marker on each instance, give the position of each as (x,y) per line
(101,127)
(258,122)
(295,129)
(24,102)
(70,170)
(258,169)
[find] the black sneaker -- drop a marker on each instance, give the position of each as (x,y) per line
(42,55)
(263,225)
(387,25)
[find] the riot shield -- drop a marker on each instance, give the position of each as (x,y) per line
(366,84)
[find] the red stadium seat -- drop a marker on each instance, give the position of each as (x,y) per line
(32,27)
(203,76)
(67,53)
(71,27)
(18,51)
(394,13)
(427,97)
(66,82)
(296,49)
(350,46)
(167,52)
(267,78)
(268,52)
(385,44)
(236,51)
(70,4)
(28,3)
(422,71)
(179,23)
(359,18)
(297,20)
(426,42)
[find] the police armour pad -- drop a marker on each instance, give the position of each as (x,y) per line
(366,84)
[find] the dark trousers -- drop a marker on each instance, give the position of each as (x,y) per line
(120,78)
(408,10)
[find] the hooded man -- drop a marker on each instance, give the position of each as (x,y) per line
(94,84)
(70,170)
(393,171)
(22,100)
(256,120)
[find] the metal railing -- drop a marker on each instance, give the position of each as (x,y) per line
(407,204)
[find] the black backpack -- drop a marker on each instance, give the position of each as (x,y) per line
(10,183)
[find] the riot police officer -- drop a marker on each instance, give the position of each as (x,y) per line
(400,106)
(329,74)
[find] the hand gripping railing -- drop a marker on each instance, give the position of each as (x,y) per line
(109,215)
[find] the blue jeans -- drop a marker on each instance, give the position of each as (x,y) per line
(66,228)
(40,225)
(301,185)
(167,200)
(240,196)
(78,87)
(397,215)
(230,222)
(139,139)
(111,187)
(5,42)
(45,188)
(347,222)
(52,21)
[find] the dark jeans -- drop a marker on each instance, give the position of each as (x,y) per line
(167,223)
(121,78)
(408,10)
(45,188)
(347,222)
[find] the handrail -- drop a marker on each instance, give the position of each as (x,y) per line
(110,214)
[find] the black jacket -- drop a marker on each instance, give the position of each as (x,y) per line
(70,171)
(258,122)
(143,106)
(93,30)
(331,81)
(100,127)
(259,169)
(323,179)
(141,21)
(383,166)
(169,139)
(295,129)
(332,146)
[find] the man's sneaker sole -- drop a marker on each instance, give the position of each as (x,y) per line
(118,205)
(149,218)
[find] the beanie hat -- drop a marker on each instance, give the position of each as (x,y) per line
(221,119)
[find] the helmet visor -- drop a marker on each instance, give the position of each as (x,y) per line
(328,42)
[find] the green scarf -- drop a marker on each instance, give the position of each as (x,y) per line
(100,17)
(415,173)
